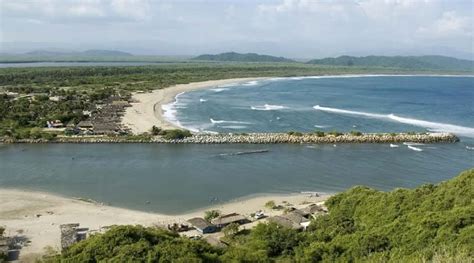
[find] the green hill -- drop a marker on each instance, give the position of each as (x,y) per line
(429,223)
(409,62)
(238,57)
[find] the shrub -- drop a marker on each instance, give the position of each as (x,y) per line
(175,134)
(335,133)
(270,204)
(319,133)
(155,130)
(211,214)
(230,229)
(356,133)
(294,133)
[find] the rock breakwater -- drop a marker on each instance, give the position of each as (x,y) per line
(260,138)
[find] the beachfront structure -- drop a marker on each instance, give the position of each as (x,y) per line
(201,225)
(284,222)
(71,234)
(85,125)
(224,220)
(314,210)
(296,219)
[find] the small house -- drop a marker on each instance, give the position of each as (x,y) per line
(202,225)
(85,125)
(224,220)
(284,222)
(292,220)
(314,210)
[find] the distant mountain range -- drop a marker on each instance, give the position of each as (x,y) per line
(88,53)
(405,62)
(437,63)
(238,57)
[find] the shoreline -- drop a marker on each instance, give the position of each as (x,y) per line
(37,215)
(141,116)
(147,111)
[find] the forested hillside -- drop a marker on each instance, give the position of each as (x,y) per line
(249,57)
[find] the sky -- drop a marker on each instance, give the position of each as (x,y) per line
(290,28)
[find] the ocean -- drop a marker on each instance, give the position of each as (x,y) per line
(174,179)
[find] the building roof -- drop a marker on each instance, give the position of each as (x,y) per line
(199,222)
(85,124)
(228,219)
(313,209)
(285,222)
(296,217)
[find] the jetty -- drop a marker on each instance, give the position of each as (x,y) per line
(257,138)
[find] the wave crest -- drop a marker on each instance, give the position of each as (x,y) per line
(230,122)
(268,107)
(432,126)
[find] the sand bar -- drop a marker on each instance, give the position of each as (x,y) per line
(37,215)
(145,113)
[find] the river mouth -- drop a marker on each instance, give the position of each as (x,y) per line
(175,179)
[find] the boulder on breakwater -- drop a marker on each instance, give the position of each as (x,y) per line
(261,138)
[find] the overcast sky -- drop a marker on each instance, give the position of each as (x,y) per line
(293,28)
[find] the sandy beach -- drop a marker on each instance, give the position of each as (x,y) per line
(147,111)
(37,215)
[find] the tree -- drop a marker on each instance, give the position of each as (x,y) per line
(231,229)
(211,214)
(155,130)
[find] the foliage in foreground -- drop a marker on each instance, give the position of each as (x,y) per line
(431,222)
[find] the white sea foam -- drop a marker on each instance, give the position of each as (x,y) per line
(415,148)
(250,83)
(229,122)
(236,127)
(228,85)
(268,107)
(170,112)
(394,146)
(432,126)
(219,89)
(321,126)
(470,148)
(413,144)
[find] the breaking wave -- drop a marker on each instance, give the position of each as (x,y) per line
(268,107)
(219,89)
(250,83)
(234,127)
(432,126)
(321,126)
(229,122)
(414,148)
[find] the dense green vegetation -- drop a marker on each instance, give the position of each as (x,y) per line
(248,57)
(431,222)
(413,62)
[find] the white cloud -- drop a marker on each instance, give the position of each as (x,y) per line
(67,11)
(136,9)
(286,27)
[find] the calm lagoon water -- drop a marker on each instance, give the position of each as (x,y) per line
(179,178)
